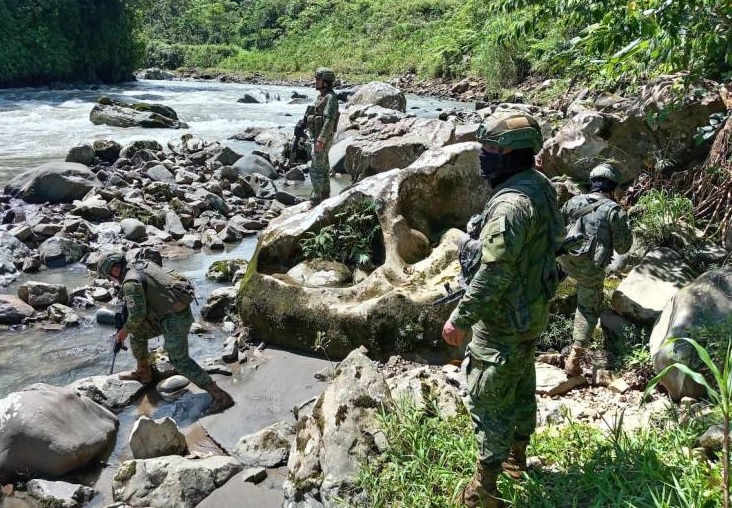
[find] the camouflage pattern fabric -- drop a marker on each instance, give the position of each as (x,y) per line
(502,402)
(321,125)
(507,306)
(174,327)
(609,223)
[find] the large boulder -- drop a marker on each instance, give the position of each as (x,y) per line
(171,481)
(122,114)
(50,431)
(648,287)
(382,94)
(53,182)
(339,435)
(705,302)
(419,209)
(657,127)
(388,139)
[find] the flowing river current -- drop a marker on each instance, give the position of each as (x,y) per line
(40,124)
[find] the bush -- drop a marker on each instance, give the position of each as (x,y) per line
(350,239)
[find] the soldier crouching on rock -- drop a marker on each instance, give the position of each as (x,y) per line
(156,308)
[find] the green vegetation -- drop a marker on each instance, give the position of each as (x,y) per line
(66,40)
(663,219)
(603,44)
(431,457)
(351,238)
(610,44)
(718,383)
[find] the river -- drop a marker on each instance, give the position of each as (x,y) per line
(40,124)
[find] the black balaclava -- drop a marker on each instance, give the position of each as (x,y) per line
(602,185)
(497,167)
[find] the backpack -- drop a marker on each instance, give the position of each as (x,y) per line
(581,230)
(470,250)
(165,291)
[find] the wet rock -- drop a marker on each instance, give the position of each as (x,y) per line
(13,310)
(82,154)
(42,294)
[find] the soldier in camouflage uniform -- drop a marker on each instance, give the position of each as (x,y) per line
(506,303)
(604,223)
(321,125)
(150,316)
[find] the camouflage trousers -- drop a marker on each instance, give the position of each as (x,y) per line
(589,306)
(320,175)
(502,400)
(176,327)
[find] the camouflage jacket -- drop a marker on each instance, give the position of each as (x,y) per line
(606,228)
(507,300)
(321,124)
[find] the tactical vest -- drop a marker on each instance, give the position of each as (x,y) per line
(523,310)
(165,292)
(316,120)
(594,226)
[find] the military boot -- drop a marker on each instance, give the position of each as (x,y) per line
(573,367)
(221,400)
(515,464)
(481,491)
(142,374)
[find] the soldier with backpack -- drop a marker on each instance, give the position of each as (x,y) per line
(506,303)
(602,225)
(158,303)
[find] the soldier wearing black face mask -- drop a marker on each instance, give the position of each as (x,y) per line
(507,302)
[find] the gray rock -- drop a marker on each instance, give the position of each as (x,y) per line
(269,447)
(59,494)
(83,154)
(55,182)
(133,229)
(51,431)
(156,438)
(171,481)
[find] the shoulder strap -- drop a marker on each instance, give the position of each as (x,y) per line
(588,208)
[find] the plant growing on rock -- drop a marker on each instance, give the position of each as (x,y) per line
(349,239)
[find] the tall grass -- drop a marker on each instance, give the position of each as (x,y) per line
(431,457)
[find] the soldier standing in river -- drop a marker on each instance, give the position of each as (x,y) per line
(153,311)
(507,302)
(321,125)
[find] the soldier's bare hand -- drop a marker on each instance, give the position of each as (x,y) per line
(453,335)
(121,336)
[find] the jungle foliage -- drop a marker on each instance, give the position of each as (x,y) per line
(67,40)
(610,44)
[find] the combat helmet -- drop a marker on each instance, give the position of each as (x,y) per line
(326,75)
(511,130)
(107,261)
(607,171)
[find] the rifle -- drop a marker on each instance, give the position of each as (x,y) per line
(300,128)
(451,296)
(119,322)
